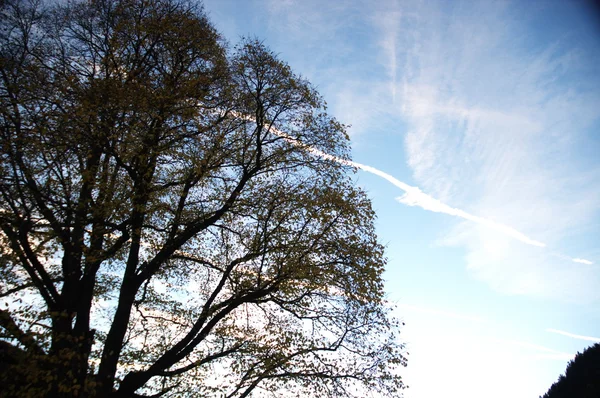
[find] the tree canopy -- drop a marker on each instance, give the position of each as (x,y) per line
(582,377)
(160,236)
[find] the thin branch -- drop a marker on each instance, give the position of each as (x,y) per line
(27,339)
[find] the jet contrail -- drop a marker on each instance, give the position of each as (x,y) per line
(582,261)
(413,196)
(575,336)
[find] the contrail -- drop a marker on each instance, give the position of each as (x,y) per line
(582,261)
(413,196)
(575,336)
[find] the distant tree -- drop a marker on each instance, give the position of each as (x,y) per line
(582,377)
(159,236)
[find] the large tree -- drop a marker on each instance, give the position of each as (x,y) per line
(164,228)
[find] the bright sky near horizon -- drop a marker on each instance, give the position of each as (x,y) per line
(477,126)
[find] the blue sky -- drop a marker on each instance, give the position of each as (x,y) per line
(493,110)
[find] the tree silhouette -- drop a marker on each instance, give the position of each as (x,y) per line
(582,377)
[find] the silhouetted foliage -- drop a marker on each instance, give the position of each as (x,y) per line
(159,234)
(582,377)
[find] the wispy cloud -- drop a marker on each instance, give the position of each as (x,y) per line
(497,126)
(388,21)
(574,336)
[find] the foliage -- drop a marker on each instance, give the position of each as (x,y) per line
(159,235)
(582,377)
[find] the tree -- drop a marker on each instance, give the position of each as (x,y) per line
(582,377)
(160,236)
